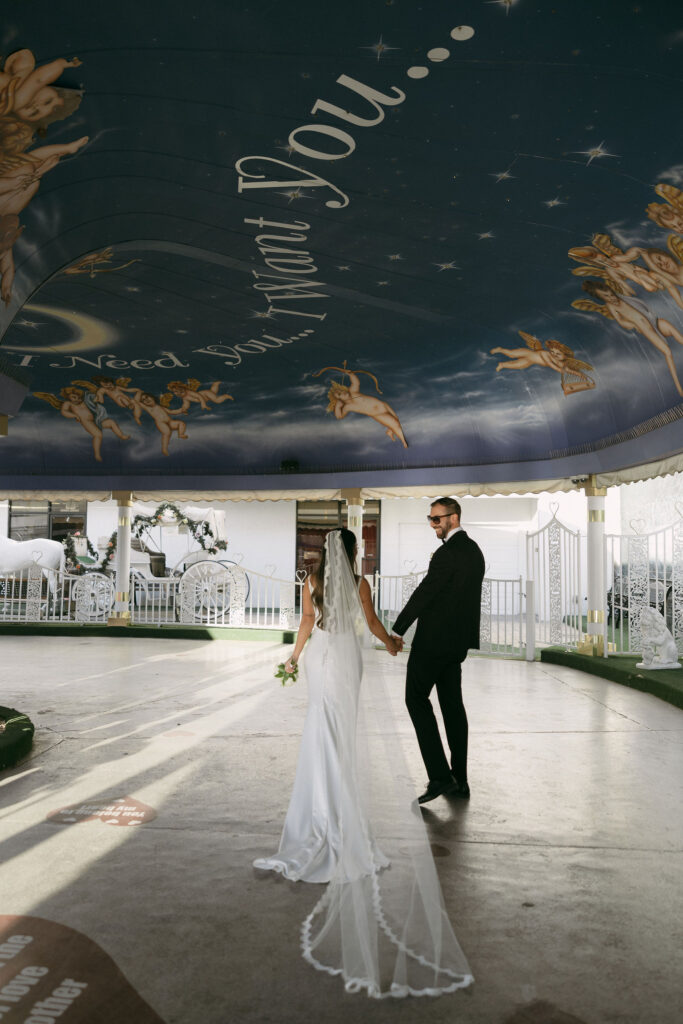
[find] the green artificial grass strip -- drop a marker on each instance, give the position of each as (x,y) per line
(170,632)
(667,684)
(16,736)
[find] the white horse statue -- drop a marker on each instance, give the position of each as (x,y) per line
(16,555)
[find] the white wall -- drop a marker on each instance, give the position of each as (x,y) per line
(497,524)
(264,532)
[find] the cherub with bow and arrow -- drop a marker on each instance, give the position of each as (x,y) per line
(344,399)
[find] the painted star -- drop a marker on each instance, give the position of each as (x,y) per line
(344,268)
(261,315)
(380,48)
(486,234)
(446,266)
(507,4)
(27,323)
(295,193)
(394,256)
(133,288)
(595,153)
(553,202)
(382,282)
(501,176)
(288,149)
(181,330)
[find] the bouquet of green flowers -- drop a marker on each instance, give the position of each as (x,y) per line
(287,677)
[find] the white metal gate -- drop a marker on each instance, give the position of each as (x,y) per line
(554,566)
(644,570)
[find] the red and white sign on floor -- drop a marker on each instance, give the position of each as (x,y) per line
(124,810)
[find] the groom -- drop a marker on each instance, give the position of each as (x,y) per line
(446,605)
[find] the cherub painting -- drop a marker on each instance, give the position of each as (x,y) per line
(77,404)
(555,356)
(162,417)
(28,104)
(606,260)
(117,390)
(26,91)
(10,229)
(344,399)
(631,318)
(21,171)
(669,216)
(190,391)
(97,263)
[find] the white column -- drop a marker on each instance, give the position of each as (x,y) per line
(354,509)
(597,597)
(121,616)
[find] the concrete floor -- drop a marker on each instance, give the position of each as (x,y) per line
(562,875)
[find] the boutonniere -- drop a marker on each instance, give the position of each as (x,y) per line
(288,678)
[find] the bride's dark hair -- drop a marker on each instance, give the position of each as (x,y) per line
(318,576)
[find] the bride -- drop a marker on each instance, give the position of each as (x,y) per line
(351,823)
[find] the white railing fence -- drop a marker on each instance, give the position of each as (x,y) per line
(517,615)
(215,594)
(554,565)
(46,595)
(644,570)
(503,617)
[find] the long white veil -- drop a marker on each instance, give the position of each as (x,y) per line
(381,922)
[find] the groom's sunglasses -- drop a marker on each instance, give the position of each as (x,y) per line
(437,519)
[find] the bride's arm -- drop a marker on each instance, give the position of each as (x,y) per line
(374,625)
(305,627)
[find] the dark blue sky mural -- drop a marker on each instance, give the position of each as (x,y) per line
(263,243)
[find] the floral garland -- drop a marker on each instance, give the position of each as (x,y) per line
(200,529)
(71,558)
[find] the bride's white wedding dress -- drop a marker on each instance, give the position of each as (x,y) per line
(325,820)
(381,922)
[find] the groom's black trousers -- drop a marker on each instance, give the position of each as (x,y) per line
(443,672)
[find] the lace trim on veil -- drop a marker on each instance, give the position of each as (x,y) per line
(354,985)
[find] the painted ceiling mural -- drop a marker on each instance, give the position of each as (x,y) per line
(261,243)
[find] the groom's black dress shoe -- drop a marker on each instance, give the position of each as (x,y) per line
(437,788)
(460,789)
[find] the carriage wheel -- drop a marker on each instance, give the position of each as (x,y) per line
(205,591)
(94,596)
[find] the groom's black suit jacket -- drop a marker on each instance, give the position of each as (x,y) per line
(447,602)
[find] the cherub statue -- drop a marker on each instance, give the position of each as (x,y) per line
(631,318)
(658,645)
(190,391)
(344,399)
(555,356)
(76,404)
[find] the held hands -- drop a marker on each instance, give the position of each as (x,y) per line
(393,645)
